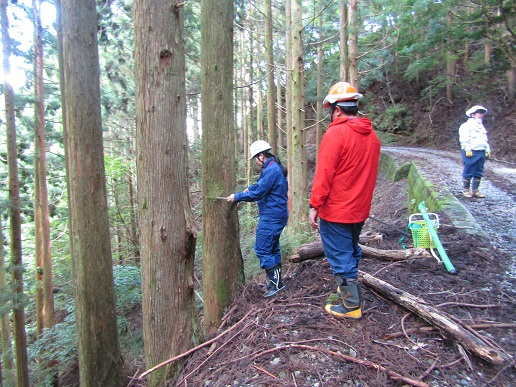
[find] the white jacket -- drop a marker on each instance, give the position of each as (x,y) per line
(473,135)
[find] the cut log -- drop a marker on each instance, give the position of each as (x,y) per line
(473,343)
(315,250)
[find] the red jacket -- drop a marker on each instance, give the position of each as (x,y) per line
(347,165)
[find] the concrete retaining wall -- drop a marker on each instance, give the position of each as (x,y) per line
(437,197)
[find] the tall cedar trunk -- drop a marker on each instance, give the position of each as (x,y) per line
(244,115)
(511,80)
(280,131)
(271,90)
(259,106)
(251,115)
(20,337)
(319,126)
(167,228)
(38,105)
(43,249)
(288,90)
(223,273)
(298,178)
(5,323)
(97,334)
(134,228)
(353,43)
(343,40)
(450,64)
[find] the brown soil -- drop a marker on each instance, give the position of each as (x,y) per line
(287,340)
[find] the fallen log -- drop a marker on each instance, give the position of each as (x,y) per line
(473,343)
(315,250)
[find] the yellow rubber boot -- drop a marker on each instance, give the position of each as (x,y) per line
(350,306)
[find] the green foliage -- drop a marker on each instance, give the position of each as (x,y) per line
(395,119)
(58,345)
(127,288)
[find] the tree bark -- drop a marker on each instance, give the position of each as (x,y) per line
(20,337)
(5,323)
(43,248)
(271,89)
(100,361)
(167,228)
(298,177)
(471,342)
(344,32)
(319,105)
(315,250)
(223,273)
(353,44)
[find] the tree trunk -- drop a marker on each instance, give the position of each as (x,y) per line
(20,337)
(43,249)
(167,227)
(298,177)
(97,332)
(450,65)
(319,126)
(134,233)
(5,323)
(474,343)
(511,81)
(251,115)
(279,109)
(259,109)
(353,44)
(223,273)
(344,41)
(271,90)
(288,91)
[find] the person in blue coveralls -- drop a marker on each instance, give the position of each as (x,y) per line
(271,193)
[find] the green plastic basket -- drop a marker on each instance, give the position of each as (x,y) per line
(419,230)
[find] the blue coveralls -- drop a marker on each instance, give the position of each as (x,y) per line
(271,193)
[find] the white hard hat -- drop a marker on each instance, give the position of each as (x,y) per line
(258,147)
(474,109)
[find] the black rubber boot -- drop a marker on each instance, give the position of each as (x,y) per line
(349,291)
(275,282)
(474,187)
(465,185)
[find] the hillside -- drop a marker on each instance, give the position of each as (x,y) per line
(411,121)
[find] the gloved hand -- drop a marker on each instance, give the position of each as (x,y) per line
(488,155)
(469,153)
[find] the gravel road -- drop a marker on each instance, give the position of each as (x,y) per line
(496,214)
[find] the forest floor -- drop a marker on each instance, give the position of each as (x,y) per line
(290,340)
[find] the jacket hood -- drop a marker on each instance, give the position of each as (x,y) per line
(359,125)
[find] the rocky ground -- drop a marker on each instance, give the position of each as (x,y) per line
(291,341)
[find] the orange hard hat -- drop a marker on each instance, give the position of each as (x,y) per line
(341,91)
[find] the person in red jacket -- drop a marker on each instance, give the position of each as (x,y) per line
(342,192)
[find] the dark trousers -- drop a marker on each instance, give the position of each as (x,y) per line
(267,246)
(474,165)
(341,249)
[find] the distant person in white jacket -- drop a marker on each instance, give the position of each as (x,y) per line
(475,150)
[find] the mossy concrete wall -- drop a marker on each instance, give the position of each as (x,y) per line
(436,196)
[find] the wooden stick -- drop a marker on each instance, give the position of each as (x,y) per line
(393,375)
(195,348)
(265,371)
(441,320)
(395,335)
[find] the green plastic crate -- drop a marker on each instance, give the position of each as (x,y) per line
(419,230)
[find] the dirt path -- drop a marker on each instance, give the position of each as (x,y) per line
(496,214)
